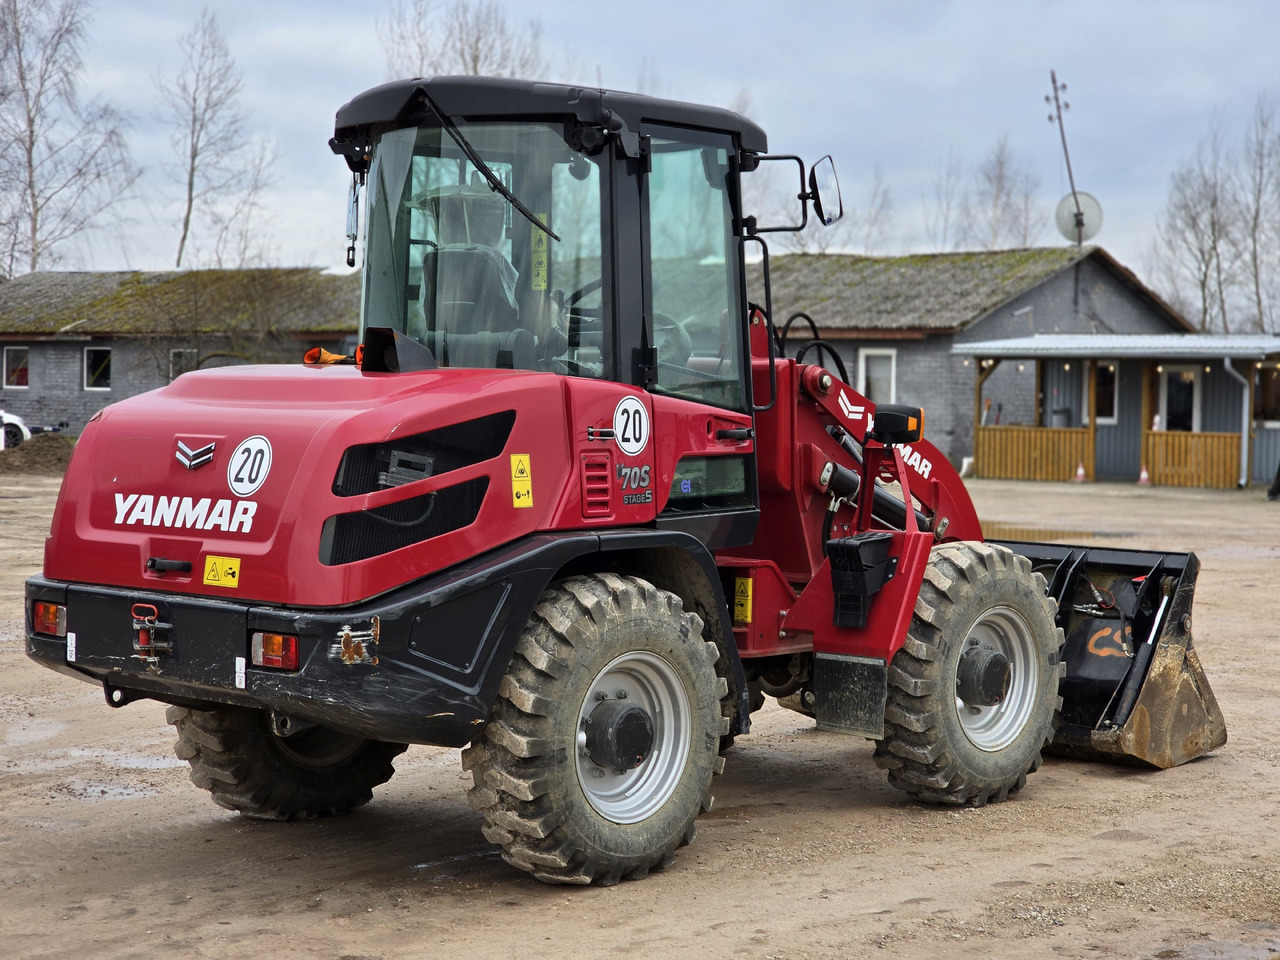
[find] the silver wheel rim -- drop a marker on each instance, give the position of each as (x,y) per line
(649,682)
(994,728)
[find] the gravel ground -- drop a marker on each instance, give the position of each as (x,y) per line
(107,851)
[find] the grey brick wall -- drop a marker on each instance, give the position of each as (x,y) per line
(55,377)
(930,377)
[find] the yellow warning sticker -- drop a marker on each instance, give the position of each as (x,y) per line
(742,587)
(521,480)
(222,571)
(538,258)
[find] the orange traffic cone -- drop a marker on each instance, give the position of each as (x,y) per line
(1080,477)
(1144,478)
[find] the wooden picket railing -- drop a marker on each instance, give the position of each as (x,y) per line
(1178,459)
(1032,453)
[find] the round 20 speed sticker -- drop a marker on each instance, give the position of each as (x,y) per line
(249,466)
(631,425)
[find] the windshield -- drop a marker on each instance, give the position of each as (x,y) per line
(450,263)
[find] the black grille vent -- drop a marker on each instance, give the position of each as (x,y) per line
(349,537)
(369,467)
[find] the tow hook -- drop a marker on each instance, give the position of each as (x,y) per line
(147,646)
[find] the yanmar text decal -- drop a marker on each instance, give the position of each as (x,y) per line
(916,462)
(183,512)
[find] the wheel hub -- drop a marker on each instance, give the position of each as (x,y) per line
(619,735)
(983,676)
(634,736)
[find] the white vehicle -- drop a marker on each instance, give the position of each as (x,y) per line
(15,429)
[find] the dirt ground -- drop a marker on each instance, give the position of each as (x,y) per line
(107,851)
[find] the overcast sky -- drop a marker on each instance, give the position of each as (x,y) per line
(887,85)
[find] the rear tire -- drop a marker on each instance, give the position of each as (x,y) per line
(12,435)
(246,767)
(938,747)
(547,798)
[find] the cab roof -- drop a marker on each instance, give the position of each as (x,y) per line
(398,103)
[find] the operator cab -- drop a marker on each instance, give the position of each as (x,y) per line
(551,228)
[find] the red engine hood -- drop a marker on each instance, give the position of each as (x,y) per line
(233,472)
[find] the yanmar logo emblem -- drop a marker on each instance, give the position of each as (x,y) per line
(206,513)
(191,459)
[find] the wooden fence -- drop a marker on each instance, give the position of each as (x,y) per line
(1177,459)
(1032,453)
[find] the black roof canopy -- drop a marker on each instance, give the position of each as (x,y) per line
(397,103)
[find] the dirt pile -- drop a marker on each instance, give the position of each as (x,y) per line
(44,453)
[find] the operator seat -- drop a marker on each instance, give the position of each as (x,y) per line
(469,287)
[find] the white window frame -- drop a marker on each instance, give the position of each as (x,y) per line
(172,350)
(84,370)
(6,384)
(892,354)
(1115,400)
(1164,393)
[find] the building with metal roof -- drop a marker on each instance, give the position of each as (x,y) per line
(906,327)
(1182,409)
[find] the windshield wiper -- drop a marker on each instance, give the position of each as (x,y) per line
(476,161)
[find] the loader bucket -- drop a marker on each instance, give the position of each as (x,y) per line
(1134,691)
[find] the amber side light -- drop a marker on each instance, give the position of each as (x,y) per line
(276,650)
(49,619)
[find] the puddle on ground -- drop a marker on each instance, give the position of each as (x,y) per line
(999,530)
(127,761)
(95,790)
(1219,950)
(32,732)
(460,858)
(58,760)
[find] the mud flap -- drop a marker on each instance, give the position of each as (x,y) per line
(1134,691)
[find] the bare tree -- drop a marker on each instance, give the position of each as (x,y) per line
(873,222)
(1256,189)
(1001,209)
(939,219)
(1195,233)
(240,242)
(64,160)
(221,171)
(469,37)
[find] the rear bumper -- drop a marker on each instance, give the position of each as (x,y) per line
(419,665)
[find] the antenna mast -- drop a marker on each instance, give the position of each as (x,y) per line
(1058,107)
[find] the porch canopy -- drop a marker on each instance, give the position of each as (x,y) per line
(1238,354)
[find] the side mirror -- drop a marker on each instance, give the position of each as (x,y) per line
(824,191)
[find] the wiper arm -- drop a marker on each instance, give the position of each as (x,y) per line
(485,171)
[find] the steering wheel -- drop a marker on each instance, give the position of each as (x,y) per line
(674,344)
(587,288)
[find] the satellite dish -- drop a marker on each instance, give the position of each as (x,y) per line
(1090,217)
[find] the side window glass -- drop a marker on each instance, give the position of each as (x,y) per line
(697,323)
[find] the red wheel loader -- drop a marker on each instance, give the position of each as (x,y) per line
(569,507)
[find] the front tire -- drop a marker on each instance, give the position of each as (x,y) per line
(600,749)
(248,768)
(973,693)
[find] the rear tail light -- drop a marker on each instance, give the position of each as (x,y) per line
(49,618)
(276,650)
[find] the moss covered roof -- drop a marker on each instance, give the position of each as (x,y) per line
(941,291)
(137,303)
